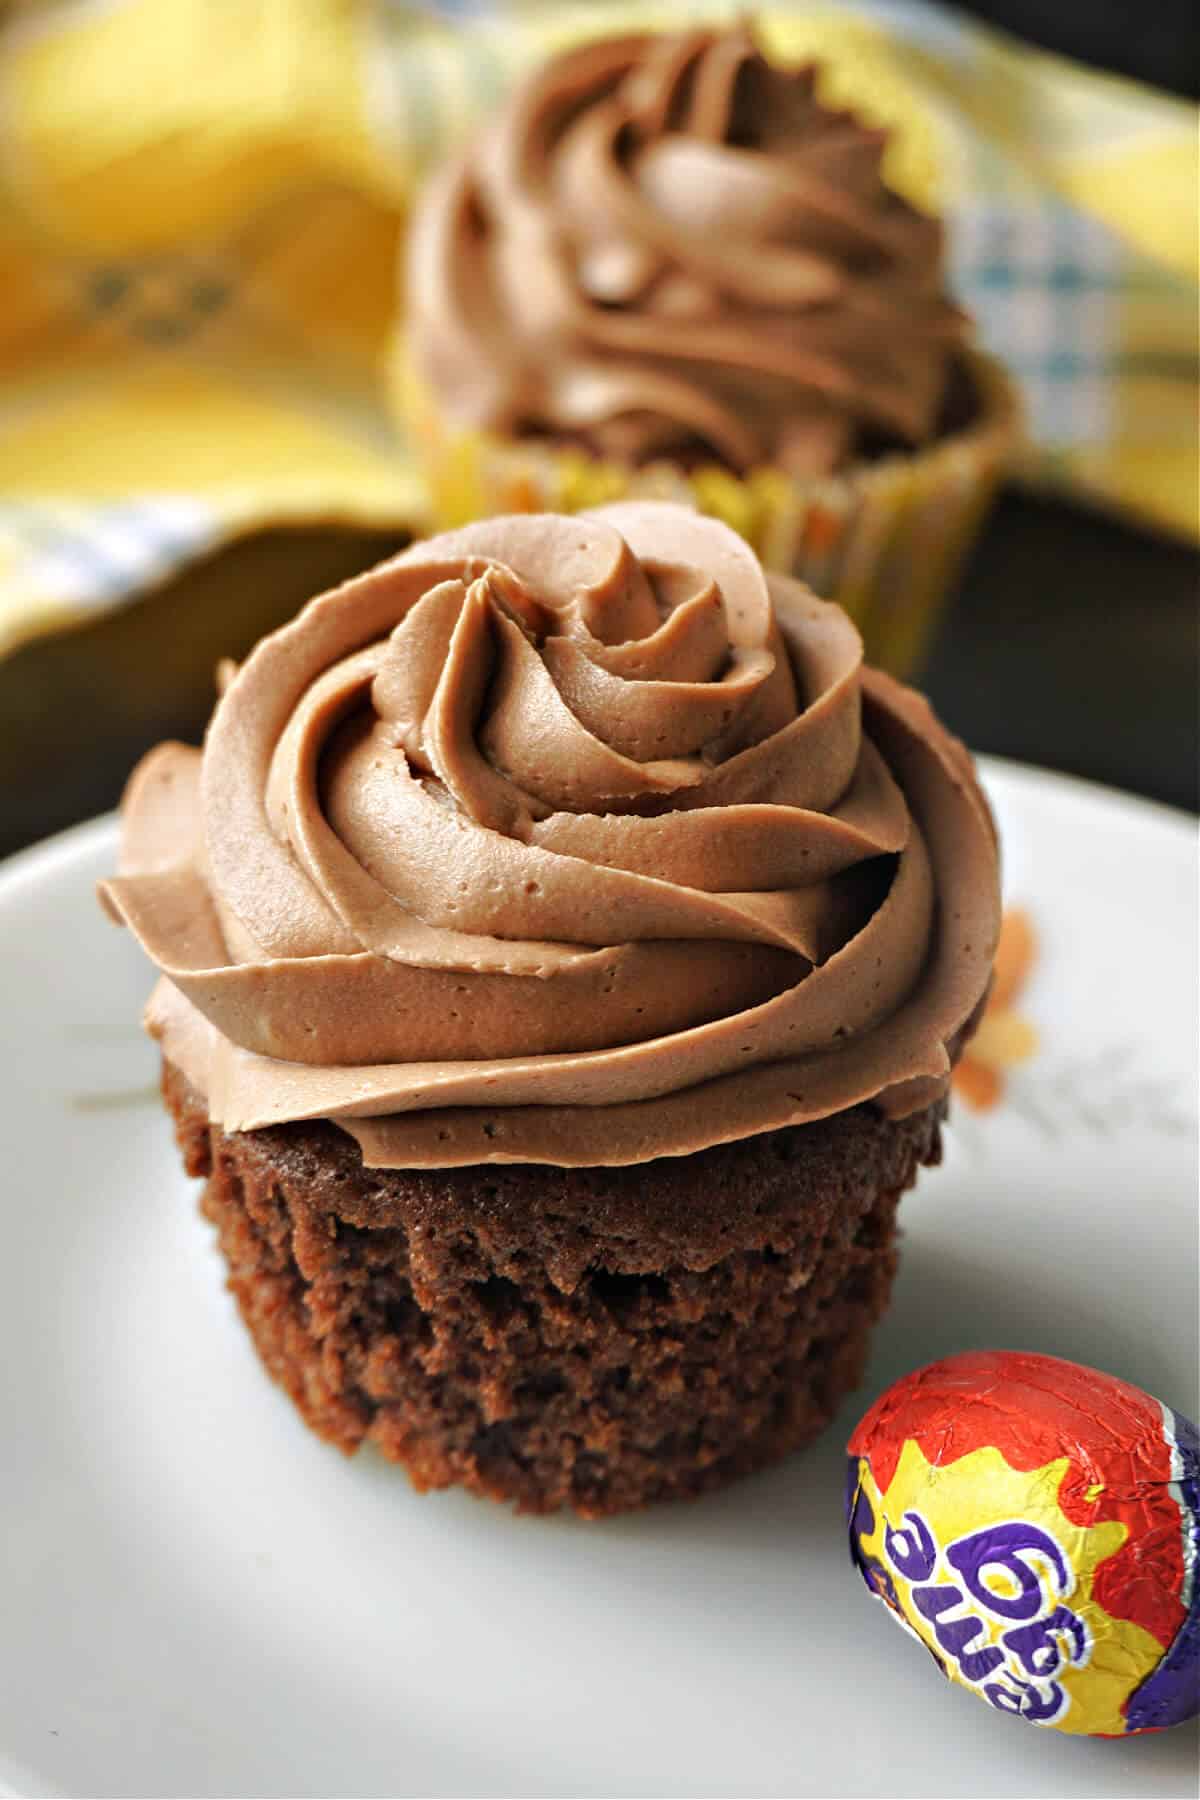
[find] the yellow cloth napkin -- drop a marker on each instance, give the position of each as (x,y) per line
(202,206)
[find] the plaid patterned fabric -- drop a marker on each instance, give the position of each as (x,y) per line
(201,210)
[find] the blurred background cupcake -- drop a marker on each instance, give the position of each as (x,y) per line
(669,268)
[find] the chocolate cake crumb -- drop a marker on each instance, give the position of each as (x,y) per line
(594,1338)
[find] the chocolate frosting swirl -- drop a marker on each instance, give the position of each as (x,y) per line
(667,247)
(569,840)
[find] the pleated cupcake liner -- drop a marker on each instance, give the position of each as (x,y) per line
(885,539)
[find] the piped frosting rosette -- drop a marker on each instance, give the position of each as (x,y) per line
(667,245)
(572,840)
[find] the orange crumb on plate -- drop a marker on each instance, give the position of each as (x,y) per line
(1003,1038)
(1015,953)
(978,1085)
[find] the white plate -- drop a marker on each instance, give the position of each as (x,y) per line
(200,1598)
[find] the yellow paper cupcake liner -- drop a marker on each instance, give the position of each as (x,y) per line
(885,539)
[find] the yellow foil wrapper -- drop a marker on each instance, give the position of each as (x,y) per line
(884,539)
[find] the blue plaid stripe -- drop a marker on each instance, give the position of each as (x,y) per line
(96,554)
(1042,282)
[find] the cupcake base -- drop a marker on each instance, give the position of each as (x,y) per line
(587,1338)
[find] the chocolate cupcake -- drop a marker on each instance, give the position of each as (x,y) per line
(668,270)
(564,943)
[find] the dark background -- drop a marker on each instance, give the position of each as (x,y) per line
(1151,40)
(1073,639)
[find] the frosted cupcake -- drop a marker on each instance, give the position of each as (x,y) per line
(667,269)
(565,944)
